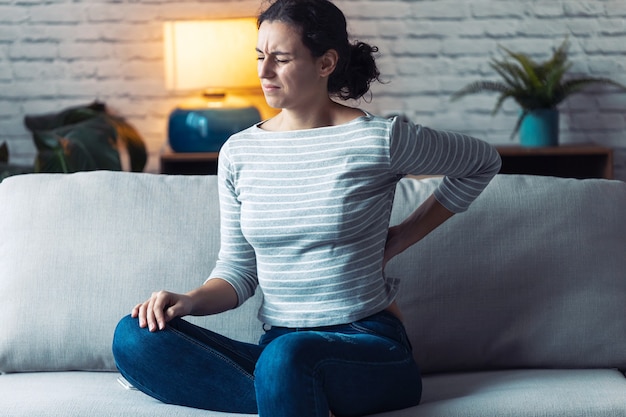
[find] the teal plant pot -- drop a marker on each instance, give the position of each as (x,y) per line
(540,128)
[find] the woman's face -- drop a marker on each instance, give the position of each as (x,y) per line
(290,76)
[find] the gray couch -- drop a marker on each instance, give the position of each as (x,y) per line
(514,308)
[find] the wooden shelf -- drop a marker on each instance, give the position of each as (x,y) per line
(196,163)
(569,161)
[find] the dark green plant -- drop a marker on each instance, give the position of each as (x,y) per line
(84,138)
(533,85)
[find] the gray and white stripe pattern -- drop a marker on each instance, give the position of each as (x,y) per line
(304,214)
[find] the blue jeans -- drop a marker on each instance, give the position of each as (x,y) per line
(352,369)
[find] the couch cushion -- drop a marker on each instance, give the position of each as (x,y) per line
(522,393)
(532,275)
(78,251)
(83,394)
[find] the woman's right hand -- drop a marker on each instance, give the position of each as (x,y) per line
(160,308)
(214,296)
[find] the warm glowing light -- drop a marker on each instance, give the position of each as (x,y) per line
(212,55)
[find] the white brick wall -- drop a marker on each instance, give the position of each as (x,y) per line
(58,53)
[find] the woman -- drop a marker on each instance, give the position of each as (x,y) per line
(305,200)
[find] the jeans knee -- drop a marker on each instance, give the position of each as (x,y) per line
(285,361)
(127,340)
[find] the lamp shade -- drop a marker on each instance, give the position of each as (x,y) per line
(216,55)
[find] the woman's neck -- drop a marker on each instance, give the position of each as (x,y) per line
(332,114)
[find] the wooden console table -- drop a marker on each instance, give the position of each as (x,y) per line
(196,163)
(569,161)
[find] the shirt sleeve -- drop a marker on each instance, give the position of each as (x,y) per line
(467,164)
(236,263)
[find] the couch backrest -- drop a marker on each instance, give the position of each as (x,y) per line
(78,251)
(533,274)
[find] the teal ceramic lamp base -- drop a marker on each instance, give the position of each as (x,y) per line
(206,129)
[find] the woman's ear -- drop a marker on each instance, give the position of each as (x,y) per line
(328,62)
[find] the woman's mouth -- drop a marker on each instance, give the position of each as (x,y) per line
(268,88)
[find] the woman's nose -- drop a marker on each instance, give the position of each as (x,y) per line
(264,68)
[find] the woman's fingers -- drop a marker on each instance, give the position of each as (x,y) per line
(160,308)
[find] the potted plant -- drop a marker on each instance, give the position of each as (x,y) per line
(538,87)
(82,138)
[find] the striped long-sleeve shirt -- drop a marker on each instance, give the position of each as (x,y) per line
(305,214)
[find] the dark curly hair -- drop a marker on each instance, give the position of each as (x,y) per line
(323,27)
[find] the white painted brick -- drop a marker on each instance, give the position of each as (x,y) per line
(126,32)
(87,69)
(375,9)
(441,9)
(615,8)
(201,10)
(9,33)
(546,9)
(49,33)
(582,27)
(542,29)
(613,102)
(498,9)
(56,13)
(583,8)
(35,71)
(6,73)
(42,106)
(8,109)
(142,14)
(21,147)
(536,47)
(142,70)
(501,28)
(612,26)
(13,14)
(85,89)
(84,50)
(35,51)
(445,29)
(424,103)
(11,126)
(139,50)
(105,13)
(456,47)
(607,66)
(417,47)
(393,28)
(101,70)
(606,45)
(422,29)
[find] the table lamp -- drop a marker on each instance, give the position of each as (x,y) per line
(218,58)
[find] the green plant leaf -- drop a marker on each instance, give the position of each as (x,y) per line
(84,138)
(85,146)
(479,87)
(65,117)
